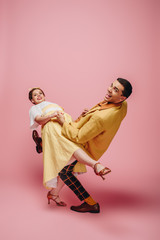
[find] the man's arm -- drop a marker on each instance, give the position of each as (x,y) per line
(88,131)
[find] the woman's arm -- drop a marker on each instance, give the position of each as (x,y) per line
(41,120)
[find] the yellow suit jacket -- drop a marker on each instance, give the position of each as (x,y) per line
(96,129)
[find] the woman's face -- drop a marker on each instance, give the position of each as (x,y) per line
(37,96)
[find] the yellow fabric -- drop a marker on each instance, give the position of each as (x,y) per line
(54,105)
(57,150)
(100,106)
(90,201)
(96,129)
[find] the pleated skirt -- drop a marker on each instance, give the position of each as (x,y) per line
(57,151)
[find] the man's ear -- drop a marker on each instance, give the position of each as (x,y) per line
(123,98)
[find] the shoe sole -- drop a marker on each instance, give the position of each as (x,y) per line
(86,211)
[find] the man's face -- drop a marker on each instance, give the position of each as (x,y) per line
(37,96)
(114,93)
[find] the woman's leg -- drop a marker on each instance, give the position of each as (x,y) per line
(82,157)
(54,192)
(60,184)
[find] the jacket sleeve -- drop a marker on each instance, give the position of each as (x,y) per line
(87,132)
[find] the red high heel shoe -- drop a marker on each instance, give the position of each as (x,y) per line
(54,198)
(101,173)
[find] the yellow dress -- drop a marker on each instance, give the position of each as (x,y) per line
(57,149)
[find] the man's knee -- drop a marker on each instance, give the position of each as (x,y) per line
(65,175)
(67,170)
(62,172)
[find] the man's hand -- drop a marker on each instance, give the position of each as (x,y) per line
(84,111)
(60,118)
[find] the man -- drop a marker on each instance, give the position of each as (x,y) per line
(95,129)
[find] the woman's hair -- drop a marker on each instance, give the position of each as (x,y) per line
(31,91)
(127,87)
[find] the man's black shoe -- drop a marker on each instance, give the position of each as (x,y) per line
(85,207)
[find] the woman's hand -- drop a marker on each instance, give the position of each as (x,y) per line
(54,114)
(60,118)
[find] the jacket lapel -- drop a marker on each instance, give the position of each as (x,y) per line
(102,106)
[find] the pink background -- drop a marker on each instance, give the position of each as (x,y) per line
(74,49)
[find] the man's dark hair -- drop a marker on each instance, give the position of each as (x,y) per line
(127,87)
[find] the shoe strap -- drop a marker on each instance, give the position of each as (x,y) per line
(53,195)
(95,170)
